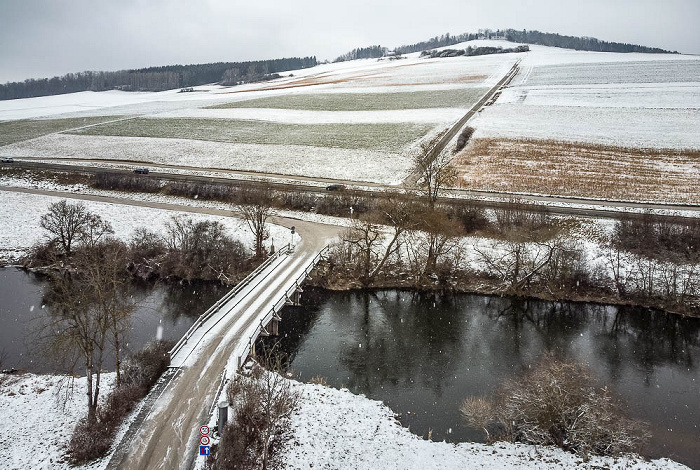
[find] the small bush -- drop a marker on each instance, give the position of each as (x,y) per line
(472,218)
(119,403)
(120,181)
(319,380)
(558,403)
(89,441)
(463,138)
(43,254)
(145,367)
(660,238)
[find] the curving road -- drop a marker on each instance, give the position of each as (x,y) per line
(166,434)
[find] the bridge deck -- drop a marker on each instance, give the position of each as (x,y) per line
(168,436)
(230,307)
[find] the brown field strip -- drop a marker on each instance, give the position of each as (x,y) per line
(581,170)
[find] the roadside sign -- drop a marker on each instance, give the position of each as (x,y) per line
(203,450)
(204,430)
(204,440)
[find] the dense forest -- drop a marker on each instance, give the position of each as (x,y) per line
(577,43)
(371,52)
(529,37)
(155,78)
(437,41)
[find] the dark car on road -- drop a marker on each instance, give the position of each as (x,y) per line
(335,187)
(141,171)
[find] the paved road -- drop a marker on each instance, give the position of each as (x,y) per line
(168,435)
(554,204)
(413,178)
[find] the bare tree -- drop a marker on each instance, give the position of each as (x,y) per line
(104,266)
(518,263)
(256,209)
(90,306)
(94,230)
(433,245)
(65,222)
(374,243)
(433,169)
(365,237)
(558,403)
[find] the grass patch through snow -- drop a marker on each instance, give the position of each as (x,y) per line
(457,98)
(27,129)
(390,137)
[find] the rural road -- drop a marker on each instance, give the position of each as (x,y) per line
(487,199)
(168,437)
(413,178)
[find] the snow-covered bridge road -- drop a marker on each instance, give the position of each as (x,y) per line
(169,436)
(166,435)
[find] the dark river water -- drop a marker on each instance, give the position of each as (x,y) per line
(165,311)
(422,355)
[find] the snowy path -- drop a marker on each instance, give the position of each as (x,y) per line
(168,437)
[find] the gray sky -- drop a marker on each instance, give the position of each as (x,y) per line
(43,38)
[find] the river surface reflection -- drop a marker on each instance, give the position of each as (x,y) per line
(422,355)
(163,310)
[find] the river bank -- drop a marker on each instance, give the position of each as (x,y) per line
(332,429)
(330,278)
(336,429)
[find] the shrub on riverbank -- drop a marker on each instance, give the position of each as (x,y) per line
(186,251)
(644,261)
(92,440)
(262,403)
(557,403)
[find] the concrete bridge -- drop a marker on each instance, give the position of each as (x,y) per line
(263,318)
(165,433)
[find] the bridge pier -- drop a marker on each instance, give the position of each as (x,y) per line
(272,327)
(297,294)
(296,297)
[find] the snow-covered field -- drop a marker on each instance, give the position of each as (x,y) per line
(20,216)
(38,416)
(381,93)
(296,116)
(335,163)
(674,128)
(644,108)
(635,100)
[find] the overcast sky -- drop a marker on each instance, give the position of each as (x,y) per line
(43,38)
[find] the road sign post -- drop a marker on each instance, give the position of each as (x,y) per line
(204,441)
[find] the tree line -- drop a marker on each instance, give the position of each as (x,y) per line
(438,41)
(371,52)
(473,51)
(527,37)
(154,78)
(577,43)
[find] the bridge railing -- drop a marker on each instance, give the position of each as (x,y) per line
(243,355)
(228,296)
